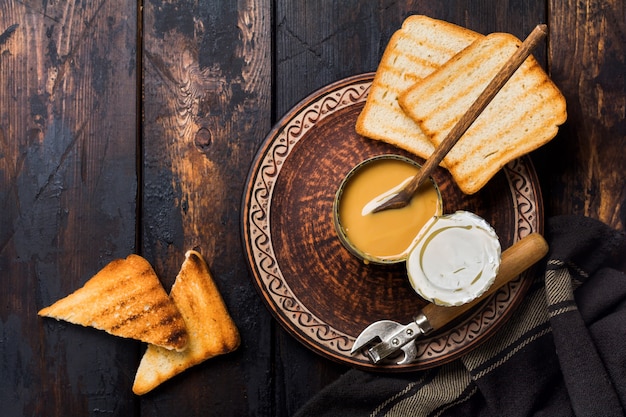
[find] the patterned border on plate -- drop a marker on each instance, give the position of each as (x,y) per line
(296,315)
(267,266)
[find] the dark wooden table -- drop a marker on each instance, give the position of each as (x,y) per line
(130,128)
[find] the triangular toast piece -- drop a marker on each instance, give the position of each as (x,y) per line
(212,331)
(126,299)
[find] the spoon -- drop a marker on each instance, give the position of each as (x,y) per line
(404,195)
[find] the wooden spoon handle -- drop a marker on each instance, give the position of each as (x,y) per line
(483,100)
(515,260)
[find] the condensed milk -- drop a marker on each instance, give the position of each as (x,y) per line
(383,237)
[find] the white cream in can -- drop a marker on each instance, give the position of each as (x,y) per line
(455,259)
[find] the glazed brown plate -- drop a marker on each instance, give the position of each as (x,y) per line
(314,287)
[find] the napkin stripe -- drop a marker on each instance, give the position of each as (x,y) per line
(384,407)
(527,325)
(450,384)
(558,286)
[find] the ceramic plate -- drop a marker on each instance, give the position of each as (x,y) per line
(320,293)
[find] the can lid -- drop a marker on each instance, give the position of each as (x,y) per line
(455,259)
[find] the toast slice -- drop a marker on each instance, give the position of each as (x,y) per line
(212,331)
(414,51)
(524,115)
(126,299)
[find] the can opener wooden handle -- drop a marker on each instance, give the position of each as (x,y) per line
(387,338)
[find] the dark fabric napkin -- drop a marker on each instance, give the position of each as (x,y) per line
(562,353)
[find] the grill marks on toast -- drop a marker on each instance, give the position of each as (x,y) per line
(417,49)
(125,299)
(524,115)
(429,75)
(212,331)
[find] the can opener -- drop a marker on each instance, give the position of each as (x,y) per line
(390,340)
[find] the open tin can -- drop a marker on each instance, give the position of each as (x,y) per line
(385,237)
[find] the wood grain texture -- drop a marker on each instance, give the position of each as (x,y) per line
(67,198)
(82,182)
(206,72)
(584,167)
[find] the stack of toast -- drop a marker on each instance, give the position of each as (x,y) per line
(127,299)
(430,74)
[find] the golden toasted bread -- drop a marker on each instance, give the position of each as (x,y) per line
(212,331)
(417,49)
(524,115)
(125,299)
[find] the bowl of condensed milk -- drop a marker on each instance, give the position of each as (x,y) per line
(387,236)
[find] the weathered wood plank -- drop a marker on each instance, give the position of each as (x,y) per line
(68,178)
(588,62)
(207,73)
(67,198)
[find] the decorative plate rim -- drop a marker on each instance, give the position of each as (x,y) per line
(293,315)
